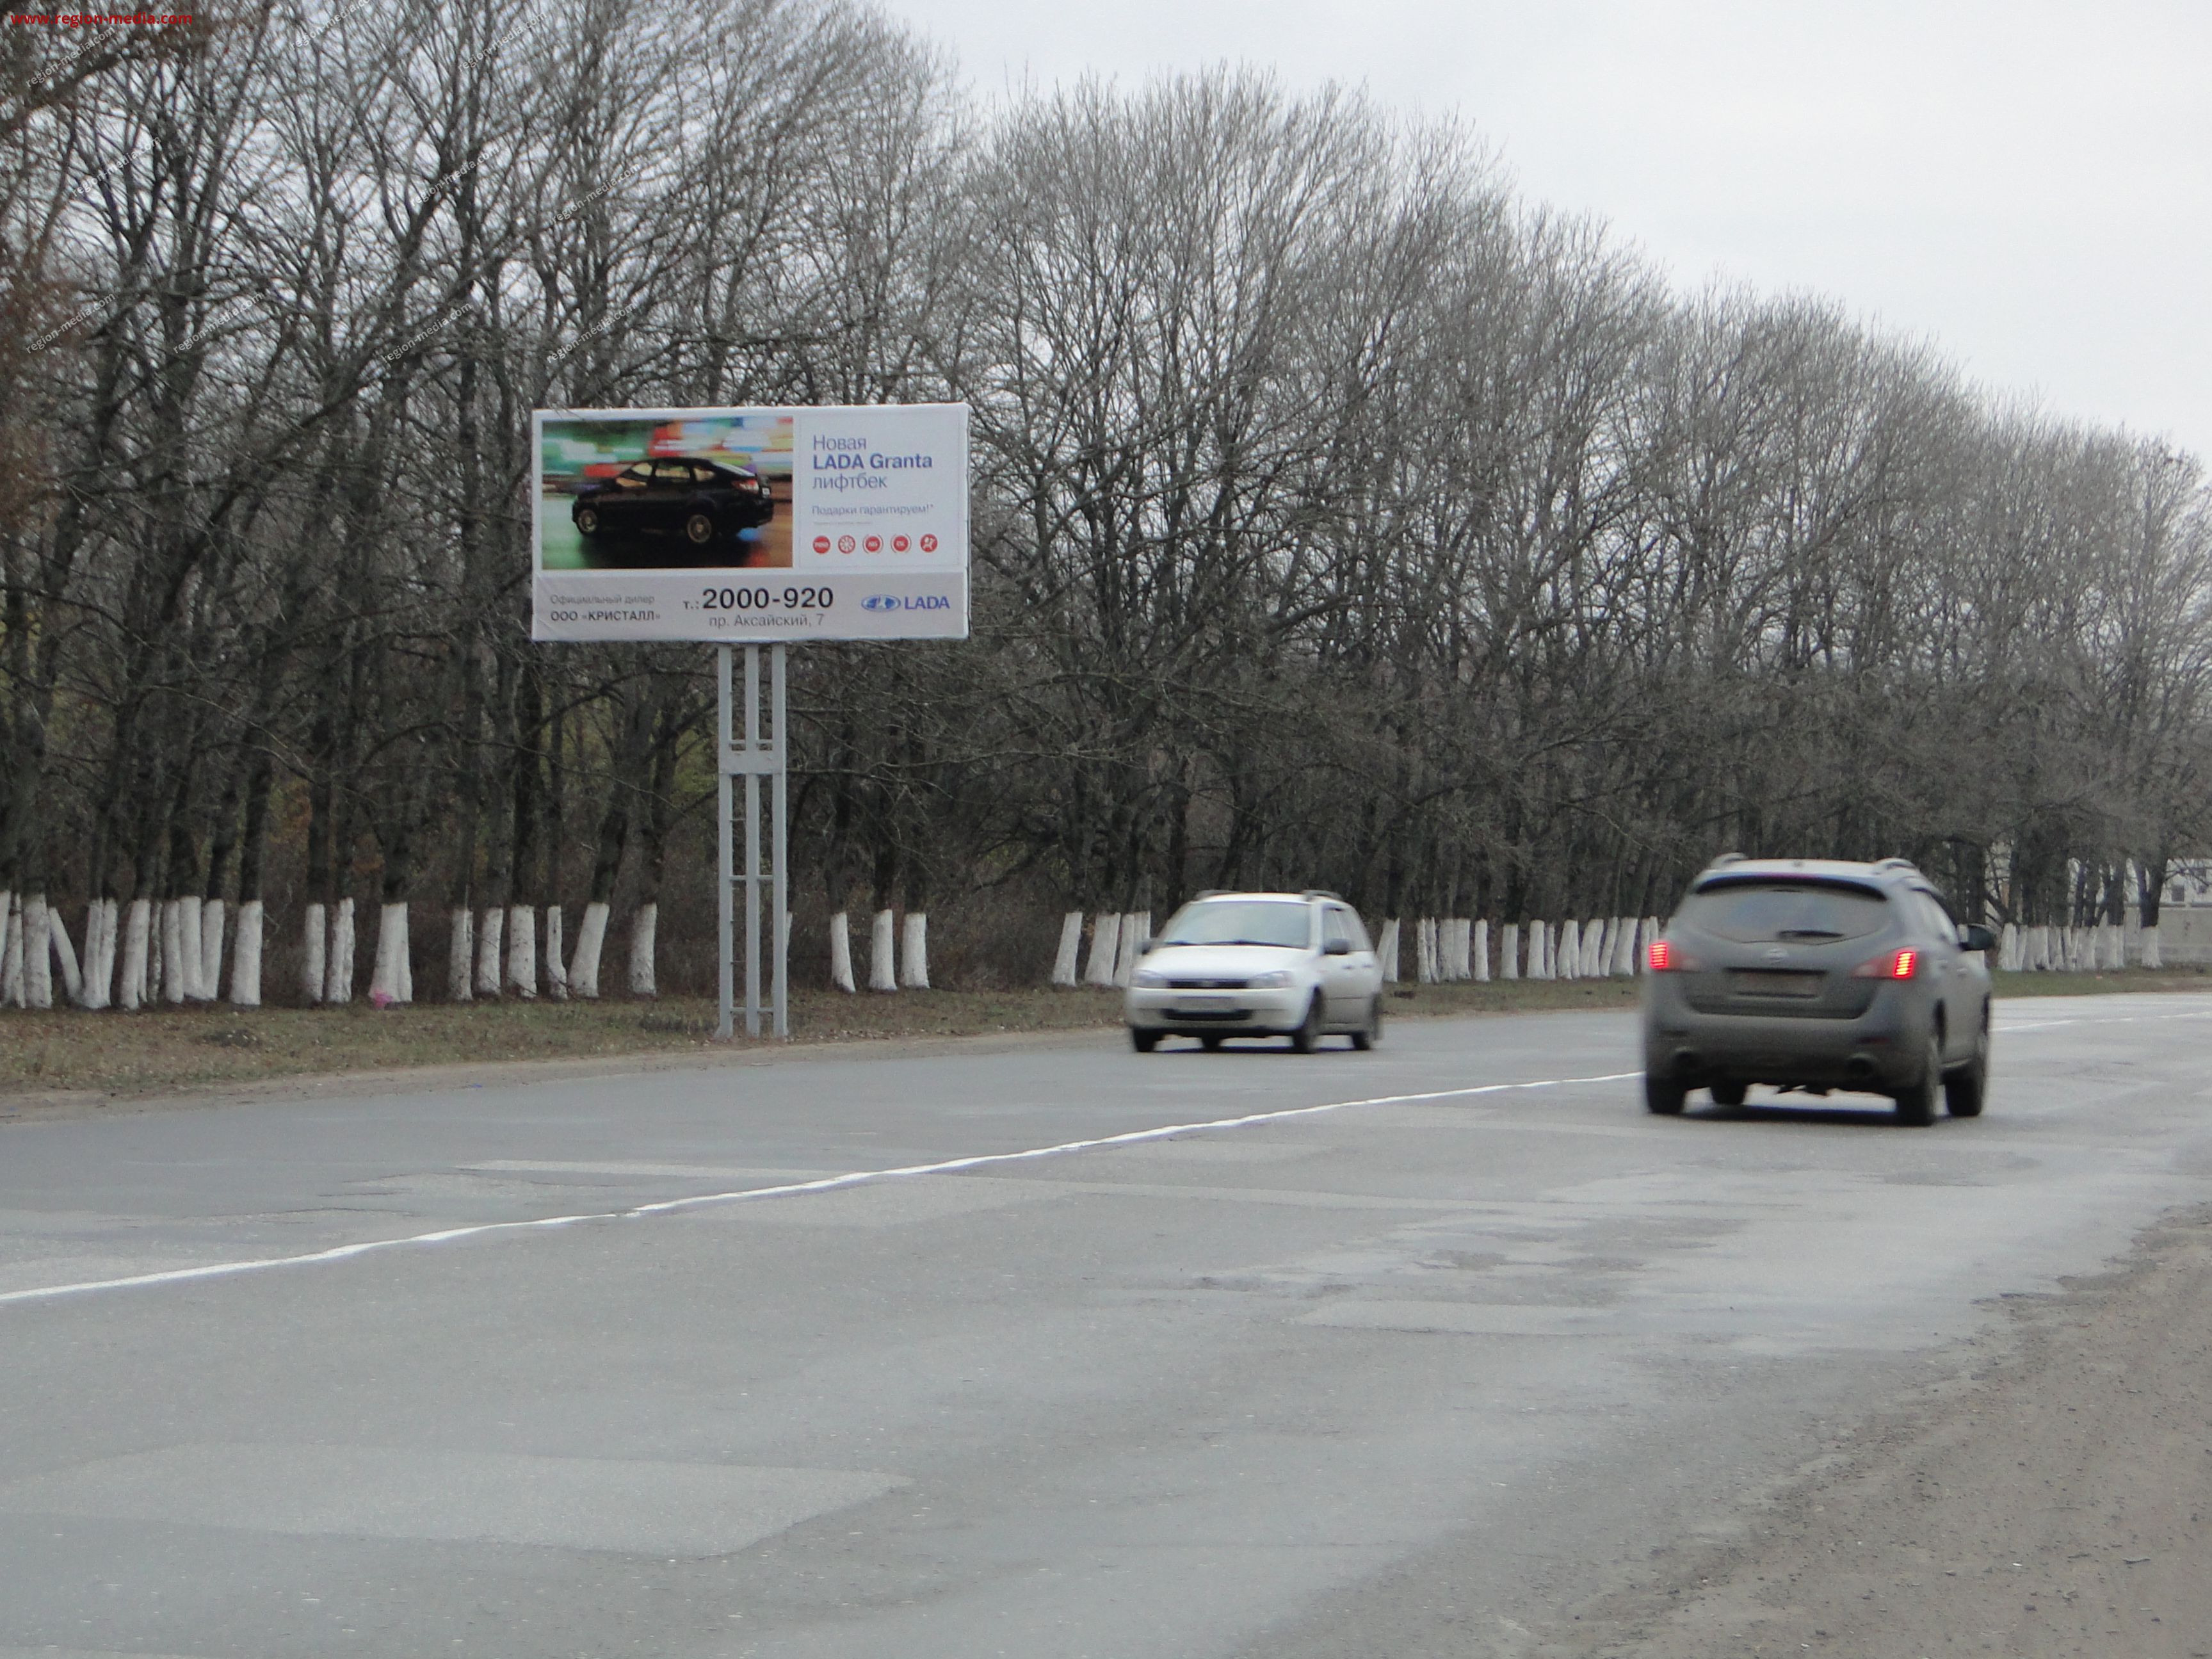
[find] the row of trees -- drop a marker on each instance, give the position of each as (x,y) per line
(1341,518)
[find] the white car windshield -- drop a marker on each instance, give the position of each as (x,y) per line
(1280,922)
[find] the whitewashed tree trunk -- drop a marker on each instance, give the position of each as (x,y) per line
(840,953)
(461,954)
(246,957)
(1540,950)
(1509,951)
(491,950)
(32,929)
(11,955)
(1567,962)
(522,951)
(1067,958)
(1462,948)
(212,919)
(1610,945)
(1105,938)
(2131,940)
(644,929)
(2008,949)
(98,953)
(1425,951)
(1125,947)
(1386,950)
(883,974)
(591,944)
(314,952)
(170,983)
(98,943)
(2151,956)
(337,968)
(556,970)
(138,931)
(64,956)
(2116,948)
(1478,950)
(406,957)
(191,946)
(913,952)
(384,985)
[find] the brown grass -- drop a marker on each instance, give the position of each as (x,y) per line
(156,1051)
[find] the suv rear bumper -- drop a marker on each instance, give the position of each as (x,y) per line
(1879,1051)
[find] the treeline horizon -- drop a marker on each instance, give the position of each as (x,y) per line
(1342,518)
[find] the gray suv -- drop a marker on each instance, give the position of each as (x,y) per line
(1813,974)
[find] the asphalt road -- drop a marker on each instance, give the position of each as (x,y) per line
(1454,1336)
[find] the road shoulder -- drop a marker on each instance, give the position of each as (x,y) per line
(2050,1495)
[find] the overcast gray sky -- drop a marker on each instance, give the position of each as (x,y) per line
(2027,184)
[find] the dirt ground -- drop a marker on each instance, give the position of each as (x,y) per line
(2050,1497)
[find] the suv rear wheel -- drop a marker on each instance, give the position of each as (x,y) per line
(1915,1104)
(1963,1091)
(1663,1095)
(1728,1094)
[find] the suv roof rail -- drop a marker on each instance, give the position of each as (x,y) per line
(1897,864)
(1321,893)
(1725,858)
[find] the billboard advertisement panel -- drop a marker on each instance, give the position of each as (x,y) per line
(751,525)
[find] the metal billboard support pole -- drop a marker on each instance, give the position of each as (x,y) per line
(761,754)
(723,942)
(779,841)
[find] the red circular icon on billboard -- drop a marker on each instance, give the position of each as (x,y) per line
(899,544)
(875,543)
(821,543)
(929,544)
(844,543)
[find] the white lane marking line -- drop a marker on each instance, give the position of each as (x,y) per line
(2087,1020)
(832,1183)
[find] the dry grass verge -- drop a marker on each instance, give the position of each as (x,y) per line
(125,1055)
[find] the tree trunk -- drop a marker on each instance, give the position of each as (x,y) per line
(881,973)
(556,970)
(137,933)
(338,969)
(591,943)
(1064,959)
(388,980)
(1478,949)
(246,957)
(37,960)
(491,953)
(913,956)
(1105,938)
(522,951)
(460,953)
(1509,952)
(1386,950)
(98,953)
(840,953)
(314,951)
(642,928)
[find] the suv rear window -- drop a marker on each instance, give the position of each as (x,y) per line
(1757,912)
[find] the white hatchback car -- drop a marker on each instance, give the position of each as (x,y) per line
(1258,965)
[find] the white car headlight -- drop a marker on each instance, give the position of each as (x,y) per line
(1148,979)
(1275,982)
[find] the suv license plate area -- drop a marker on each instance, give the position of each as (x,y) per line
(1774,982)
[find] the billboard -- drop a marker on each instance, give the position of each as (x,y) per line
(751,525)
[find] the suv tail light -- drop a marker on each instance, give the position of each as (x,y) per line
(1665,957)
(1897,964)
